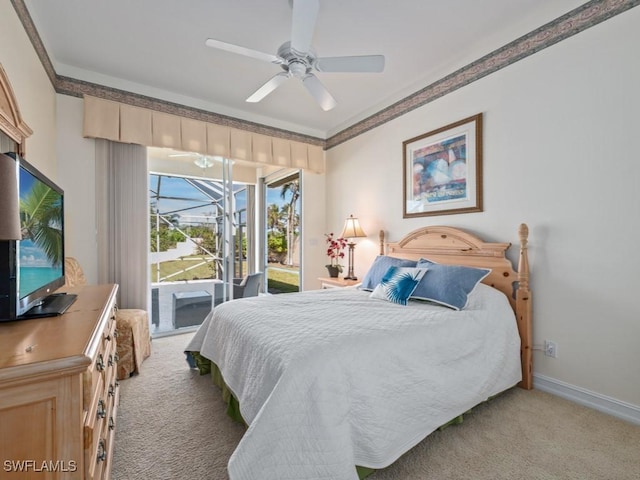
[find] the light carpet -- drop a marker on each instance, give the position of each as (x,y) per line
(172,425)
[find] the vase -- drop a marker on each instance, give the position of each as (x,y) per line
(333,271)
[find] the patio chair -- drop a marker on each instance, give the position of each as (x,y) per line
(249,286)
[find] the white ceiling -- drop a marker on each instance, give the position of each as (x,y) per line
(157,48)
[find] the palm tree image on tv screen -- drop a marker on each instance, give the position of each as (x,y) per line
(41,247)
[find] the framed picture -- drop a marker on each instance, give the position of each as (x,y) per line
(442,170)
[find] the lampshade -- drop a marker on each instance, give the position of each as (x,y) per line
(352,228)
(9,201)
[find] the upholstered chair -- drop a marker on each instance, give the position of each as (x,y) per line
(248,286)
(132,327)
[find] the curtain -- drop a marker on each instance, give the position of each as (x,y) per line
(122,220)
(114,121)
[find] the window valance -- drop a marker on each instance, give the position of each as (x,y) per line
(128,124)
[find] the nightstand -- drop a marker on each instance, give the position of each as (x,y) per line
(337,282)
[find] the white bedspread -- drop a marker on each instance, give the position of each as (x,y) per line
(330,379)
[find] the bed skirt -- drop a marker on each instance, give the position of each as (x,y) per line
(207,367)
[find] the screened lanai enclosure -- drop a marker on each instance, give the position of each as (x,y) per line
(200,230)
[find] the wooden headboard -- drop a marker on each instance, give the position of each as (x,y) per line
(454,246)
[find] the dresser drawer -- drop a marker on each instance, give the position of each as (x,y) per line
(101,406)
(96,464)
(109,334)
(109,432)
(93,429)
(104,362)
(93,376)
(100,456)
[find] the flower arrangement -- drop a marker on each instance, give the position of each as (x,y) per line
(335,250)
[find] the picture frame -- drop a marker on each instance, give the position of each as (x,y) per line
(442,170)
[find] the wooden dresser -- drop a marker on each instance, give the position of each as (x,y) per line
(58,391)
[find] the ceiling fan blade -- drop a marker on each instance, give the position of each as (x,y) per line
(303,23)
(247,52)
(319,92)
(268,87)
(361,63)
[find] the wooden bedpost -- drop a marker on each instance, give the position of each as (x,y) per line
(524,311)
(381,236)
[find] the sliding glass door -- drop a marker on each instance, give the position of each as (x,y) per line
(200,229)
(283,197)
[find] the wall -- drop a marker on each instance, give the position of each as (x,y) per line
(33,90)
(558,155)
(60,153)
(76,169)
(313,229)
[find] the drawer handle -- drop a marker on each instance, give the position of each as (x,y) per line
(112,390)
(112,423)
(102,410)
(107,337)
(115,334)
(110,362)
(100,363)
(102,452)
(116,358)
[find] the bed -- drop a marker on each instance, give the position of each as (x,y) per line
(332,379)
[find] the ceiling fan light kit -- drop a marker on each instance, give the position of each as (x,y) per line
(203,161)
(298,59)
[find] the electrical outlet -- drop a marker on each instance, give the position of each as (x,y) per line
(550,349)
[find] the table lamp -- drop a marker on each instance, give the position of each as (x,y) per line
(352,229)
(9,200)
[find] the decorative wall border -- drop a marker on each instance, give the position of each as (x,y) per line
(34,36)
(573,22)
(78,88)
(563,27)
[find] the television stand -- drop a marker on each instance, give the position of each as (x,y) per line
(51,305)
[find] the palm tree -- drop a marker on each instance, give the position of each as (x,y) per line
(293,188)
(41,220)
(273,217)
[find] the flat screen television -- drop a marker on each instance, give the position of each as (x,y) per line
(32,268)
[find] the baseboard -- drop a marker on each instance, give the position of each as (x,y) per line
(602,403)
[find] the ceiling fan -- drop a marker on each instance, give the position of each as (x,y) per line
(298,59)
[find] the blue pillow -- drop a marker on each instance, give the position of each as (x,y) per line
(398,284)
(448,285)
(380,266)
